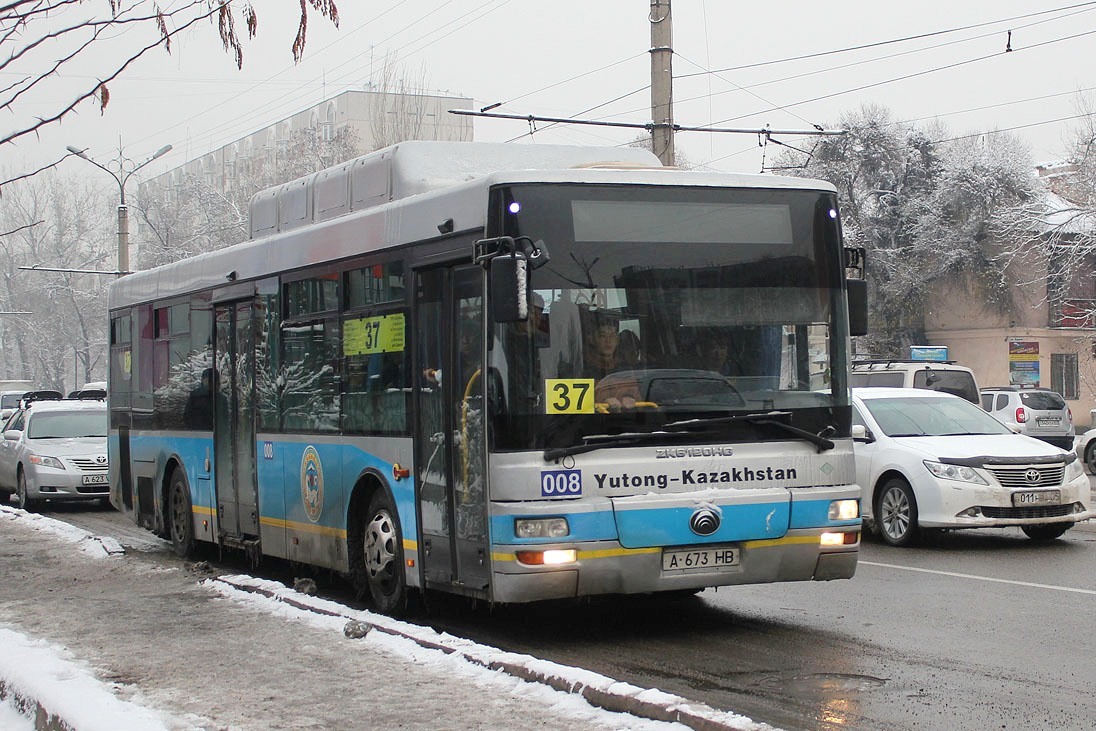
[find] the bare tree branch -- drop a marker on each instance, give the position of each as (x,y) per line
(20,228)
(25,38)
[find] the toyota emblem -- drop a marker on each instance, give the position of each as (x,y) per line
(704,522)
(1032,476)
(101,459)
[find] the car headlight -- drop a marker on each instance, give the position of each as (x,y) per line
(43,461)
(1074,469)
(959,473)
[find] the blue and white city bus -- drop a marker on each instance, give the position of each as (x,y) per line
(510,372)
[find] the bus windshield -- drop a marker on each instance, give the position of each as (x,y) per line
(662,304)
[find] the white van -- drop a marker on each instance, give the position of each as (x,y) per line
(943,376)
(9,402)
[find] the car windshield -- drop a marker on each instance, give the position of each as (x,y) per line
(931,417)
(64,424)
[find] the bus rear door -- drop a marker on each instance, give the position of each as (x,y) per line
(234,429)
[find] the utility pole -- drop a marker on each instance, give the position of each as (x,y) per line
(662,109)
(123,169)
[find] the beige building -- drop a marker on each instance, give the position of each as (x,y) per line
(1045,341)
(378,119)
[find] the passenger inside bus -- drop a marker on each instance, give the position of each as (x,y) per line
(468,360)
(198,411)
(715,356)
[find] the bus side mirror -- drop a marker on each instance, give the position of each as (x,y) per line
(508,284)
(858,306)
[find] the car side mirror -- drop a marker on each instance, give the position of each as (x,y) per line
(12,434)
(861,433)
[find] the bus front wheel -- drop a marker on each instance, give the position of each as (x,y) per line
(380,569)
(181,516)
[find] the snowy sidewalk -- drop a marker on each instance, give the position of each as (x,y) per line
(102,639)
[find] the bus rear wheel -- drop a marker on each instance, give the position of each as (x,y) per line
(380,568)
(180,516)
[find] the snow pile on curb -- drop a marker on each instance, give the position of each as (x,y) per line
(92,545)
(60,694)
(598,690)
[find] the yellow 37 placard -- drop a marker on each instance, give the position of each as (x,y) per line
(368,335)
(569,395)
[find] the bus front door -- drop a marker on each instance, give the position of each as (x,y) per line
(450,429)
(233,428)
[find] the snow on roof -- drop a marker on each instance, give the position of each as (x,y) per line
(1065,216)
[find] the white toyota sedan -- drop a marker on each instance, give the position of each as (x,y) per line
(927,459)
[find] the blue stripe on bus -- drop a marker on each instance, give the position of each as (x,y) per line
(279,477)
(670,526)
(596,526)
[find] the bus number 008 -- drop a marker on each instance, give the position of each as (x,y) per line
(561,482)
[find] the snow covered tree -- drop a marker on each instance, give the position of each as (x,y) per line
(924,211)
(199,215)
(53,222)
(1057,228)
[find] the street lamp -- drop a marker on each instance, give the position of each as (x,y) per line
(125,168)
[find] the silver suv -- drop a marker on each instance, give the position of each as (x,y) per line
(943,376)
(1037,412)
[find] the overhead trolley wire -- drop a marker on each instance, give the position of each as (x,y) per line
(891,41)
(913,75)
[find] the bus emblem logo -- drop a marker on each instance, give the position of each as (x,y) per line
(704,522)
(312,483)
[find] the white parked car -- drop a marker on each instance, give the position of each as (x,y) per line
(932,460)
(1084,445)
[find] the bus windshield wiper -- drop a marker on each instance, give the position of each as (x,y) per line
(600,441)
(769,418)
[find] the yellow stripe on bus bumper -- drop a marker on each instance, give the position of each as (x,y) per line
(618,552)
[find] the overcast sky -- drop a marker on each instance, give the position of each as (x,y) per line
(589,59)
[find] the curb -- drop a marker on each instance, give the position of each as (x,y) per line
(43,719)
(598,690)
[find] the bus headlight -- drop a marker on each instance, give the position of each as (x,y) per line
(844,510)
(541,527)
